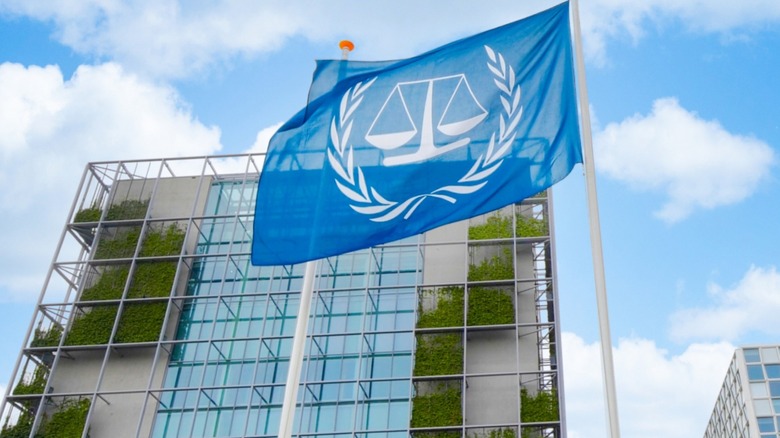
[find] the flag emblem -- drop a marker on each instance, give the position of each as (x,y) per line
(394,126)
(389,149)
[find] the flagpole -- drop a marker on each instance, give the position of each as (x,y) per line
(296,355)
(301,327)
(607,364)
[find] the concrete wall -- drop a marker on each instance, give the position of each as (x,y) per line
(130,368)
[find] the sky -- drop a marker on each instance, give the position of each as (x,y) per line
(685,128)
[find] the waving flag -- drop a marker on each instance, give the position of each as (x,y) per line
(386,150)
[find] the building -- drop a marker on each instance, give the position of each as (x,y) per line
(749,401)
(152,321)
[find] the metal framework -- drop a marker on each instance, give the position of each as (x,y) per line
(215,362)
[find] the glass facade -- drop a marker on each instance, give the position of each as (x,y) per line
(749,401)
(154,323)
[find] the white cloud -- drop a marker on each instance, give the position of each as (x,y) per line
(695,162)
(173,38)
(604,20)
(263,137)
(752,305)
(51,127)
(651,384)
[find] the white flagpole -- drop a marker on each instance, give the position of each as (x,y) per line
(301,327)
(296,355)
(607,364)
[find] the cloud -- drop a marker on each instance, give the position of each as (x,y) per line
(263,137)
(172,38)
(51,127)
(651,384)
(752,305)
(605,20)
(695,162)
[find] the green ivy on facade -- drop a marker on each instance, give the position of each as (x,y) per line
(119,246)
(497,433)
(67,422)
(21,429)
(141,322)
(530,227)
(127,210)
(93,327)
(37,384)
(439,408)
(91,214)
(438,354)
(47,338)
(495,227)
(543,407)
(448,311)
(498,267)
(488,306)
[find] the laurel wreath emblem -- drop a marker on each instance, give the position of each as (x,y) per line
(368,201)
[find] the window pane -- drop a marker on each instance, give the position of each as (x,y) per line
(766,424)
(774,389)
(758,390)
(755,372)
(770,355)
(772,371)
(752,356)
(762,407)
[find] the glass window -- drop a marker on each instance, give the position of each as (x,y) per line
(762,407)
(770,355)
(755,372)
(766,424)
(772,371)
(776,405)
(758,390)
(751,355)
(774,389)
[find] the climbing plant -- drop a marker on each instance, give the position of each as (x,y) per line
(127,209)
(529,226)
(21,429)
(121,245)
(91,214)
(438,354)
(162,242)
(496,433)
(489,306)
(67,422)
(543,407)
(36,385)
(92,328)
(495,227)
(437,434)
(109,286)
(498,267)
(439,408)
(152,279)
(448,311)
(47,338)
(140,322)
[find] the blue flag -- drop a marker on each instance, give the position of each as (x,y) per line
(386,150)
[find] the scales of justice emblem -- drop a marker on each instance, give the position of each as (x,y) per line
(400,120)
(461,114)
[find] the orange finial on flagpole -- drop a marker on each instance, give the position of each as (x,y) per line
(346,46)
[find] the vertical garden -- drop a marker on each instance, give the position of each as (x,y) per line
(452,321)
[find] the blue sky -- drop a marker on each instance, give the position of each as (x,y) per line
(686,135)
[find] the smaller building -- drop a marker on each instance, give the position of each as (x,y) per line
(748,405)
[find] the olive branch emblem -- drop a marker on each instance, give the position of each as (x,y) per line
(366,200)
